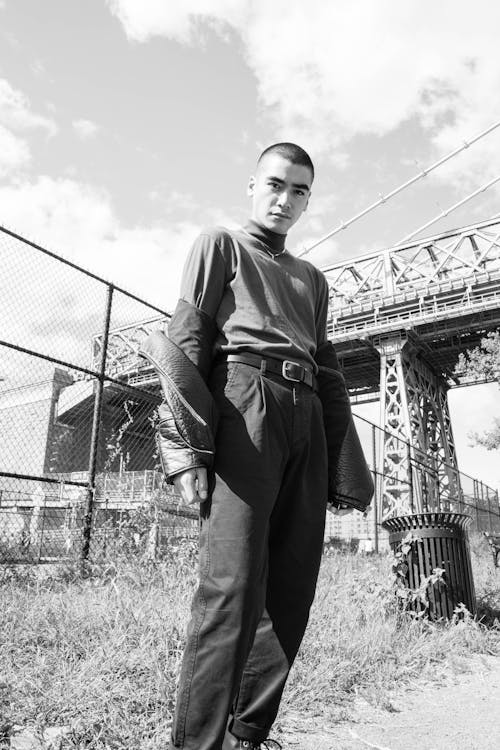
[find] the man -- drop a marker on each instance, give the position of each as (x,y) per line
(252,319)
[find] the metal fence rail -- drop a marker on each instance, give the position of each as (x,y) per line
(470,495)
(79,471)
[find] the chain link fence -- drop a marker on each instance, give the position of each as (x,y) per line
(416,481)
(79,470)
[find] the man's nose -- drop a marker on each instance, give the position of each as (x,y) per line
(284,199)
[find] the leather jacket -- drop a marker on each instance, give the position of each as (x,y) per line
(187,415)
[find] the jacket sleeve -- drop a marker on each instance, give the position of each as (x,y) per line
(176,454)
(194,330)
(332,390)
(336,410)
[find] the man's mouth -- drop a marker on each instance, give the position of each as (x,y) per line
(280,216)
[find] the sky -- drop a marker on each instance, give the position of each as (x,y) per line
(128,125)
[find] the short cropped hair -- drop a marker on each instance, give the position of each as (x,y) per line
(289,151)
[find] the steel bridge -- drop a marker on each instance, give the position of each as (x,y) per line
(399,318)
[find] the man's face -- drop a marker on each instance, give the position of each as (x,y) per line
(280,192)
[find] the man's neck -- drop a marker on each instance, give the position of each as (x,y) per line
(274,241)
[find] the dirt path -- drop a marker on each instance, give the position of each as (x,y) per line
(461,715)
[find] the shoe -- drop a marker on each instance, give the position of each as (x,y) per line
(233,743)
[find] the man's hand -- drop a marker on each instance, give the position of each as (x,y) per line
(342,511)
(192,485)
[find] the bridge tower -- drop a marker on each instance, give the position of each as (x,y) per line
(419,464)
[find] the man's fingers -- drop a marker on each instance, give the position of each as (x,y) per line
(202,483)
(185,485)
(192,485)
(341,511)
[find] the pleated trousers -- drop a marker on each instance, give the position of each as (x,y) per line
(261,537)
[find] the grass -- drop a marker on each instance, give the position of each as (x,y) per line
(101,654)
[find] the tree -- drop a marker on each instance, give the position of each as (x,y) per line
(483,363)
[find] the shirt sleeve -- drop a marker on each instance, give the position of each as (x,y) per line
(326,355)
(192,326)
(322,311)
(205,274)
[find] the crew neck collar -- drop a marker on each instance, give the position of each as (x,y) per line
(274,241)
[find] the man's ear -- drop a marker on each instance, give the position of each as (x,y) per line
(251,185)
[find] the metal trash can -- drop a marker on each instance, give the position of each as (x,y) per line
(436,540)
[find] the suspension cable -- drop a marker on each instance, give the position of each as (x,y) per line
(384,198)
(448,210)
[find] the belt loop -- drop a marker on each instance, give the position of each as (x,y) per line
(263,366)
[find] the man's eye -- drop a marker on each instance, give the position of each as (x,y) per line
(300,192)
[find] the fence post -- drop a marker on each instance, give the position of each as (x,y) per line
(96,429)
(410,476)
(476,506)
(483,505)
(490,519)
(460,493)
(375,493)
(41,530)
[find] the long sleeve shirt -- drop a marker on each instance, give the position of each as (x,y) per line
(249,301)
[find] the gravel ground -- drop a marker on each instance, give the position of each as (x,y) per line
(463,714)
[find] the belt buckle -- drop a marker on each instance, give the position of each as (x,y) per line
(292,371)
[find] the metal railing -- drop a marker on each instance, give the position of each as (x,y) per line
(364,318)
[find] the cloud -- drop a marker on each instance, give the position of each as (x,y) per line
(327,72)
(16,118)
(77,221)
(16,114)
(14,152)
(367,67)
(177,20)
(39,69)
(85,129)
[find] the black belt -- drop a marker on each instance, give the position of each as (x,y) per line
(286,368)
